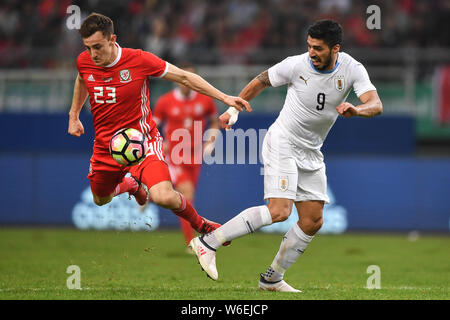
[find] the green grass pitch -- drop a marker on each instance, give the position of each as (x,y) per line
(154,265)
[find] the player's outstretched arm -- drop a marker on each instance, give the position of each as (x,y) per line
(256,86)
(250,91)
(371,106)
(80,94)
(197,83)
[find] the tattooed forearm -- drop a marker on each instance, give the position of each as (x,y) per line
(264,78)
(254,87)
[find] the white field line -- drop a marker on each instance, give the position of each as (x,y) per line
(382,288)
(149,289)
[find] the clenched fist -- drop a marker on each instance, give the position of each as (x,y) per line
(347,110)
(75,127)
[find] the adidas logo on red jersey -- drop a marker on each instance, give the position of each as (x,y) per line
(91,78)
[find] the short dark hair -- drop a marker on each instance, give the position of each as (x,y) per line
(327,30)
(96,22)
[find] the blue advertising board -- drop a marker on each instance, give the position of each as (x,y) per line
(374,185)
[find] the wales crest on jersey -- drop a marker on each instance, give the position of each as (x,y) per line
(125,75)
(339,82)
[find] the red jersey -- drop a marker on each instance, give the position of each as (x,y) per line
(189,113)
(119,94)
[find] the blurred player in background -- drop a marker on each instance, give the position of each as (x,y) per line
(184,109)
(319,82)
(116,81)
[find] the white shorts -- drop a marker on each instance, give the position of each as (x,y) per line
(291,172)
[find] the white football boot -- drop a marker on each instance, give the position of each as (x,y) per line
(280,286)
(206,257)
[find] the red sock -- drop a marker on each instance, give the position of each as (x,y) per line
(127,184)
(187,212)
(188,232)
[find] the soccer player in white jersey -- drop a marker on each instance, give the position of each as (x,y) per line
(319,82)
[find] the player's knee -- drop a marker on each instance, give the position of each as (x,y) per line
(311,225)
(280,212)
(317,225)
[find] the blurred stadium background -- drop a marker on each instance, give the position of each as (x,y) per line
(390,173)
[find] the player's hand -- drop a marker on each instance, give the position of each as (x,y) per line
(228,118)
(75,127)
(238,103)
(347,110)
(224,119)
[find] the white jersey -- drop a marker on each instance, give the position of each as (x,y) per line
(309,110)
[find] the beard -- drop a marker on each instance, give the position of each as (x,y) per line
(326,64)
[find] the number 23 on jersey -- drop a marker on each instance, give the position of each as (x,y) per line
(105,94)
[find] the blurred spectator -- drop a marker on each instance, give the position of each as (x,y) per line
(34,33)
(443,24)
(9,20)
(341,6)
(355,28)
(241,12)
(157,40)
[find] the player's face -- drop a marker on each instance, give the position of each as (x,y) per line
(320,54)
(100,48)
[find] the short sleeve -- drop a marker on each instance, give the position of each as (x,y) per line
(281,73)
(153,65)
(80,62)
(361,80)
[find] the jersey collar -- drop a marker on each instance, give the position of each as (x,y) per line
(327,71)
(119,55)
(179,96)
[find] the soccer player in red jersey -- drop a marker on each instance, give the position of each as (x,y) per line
(184,115)
(116,81)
